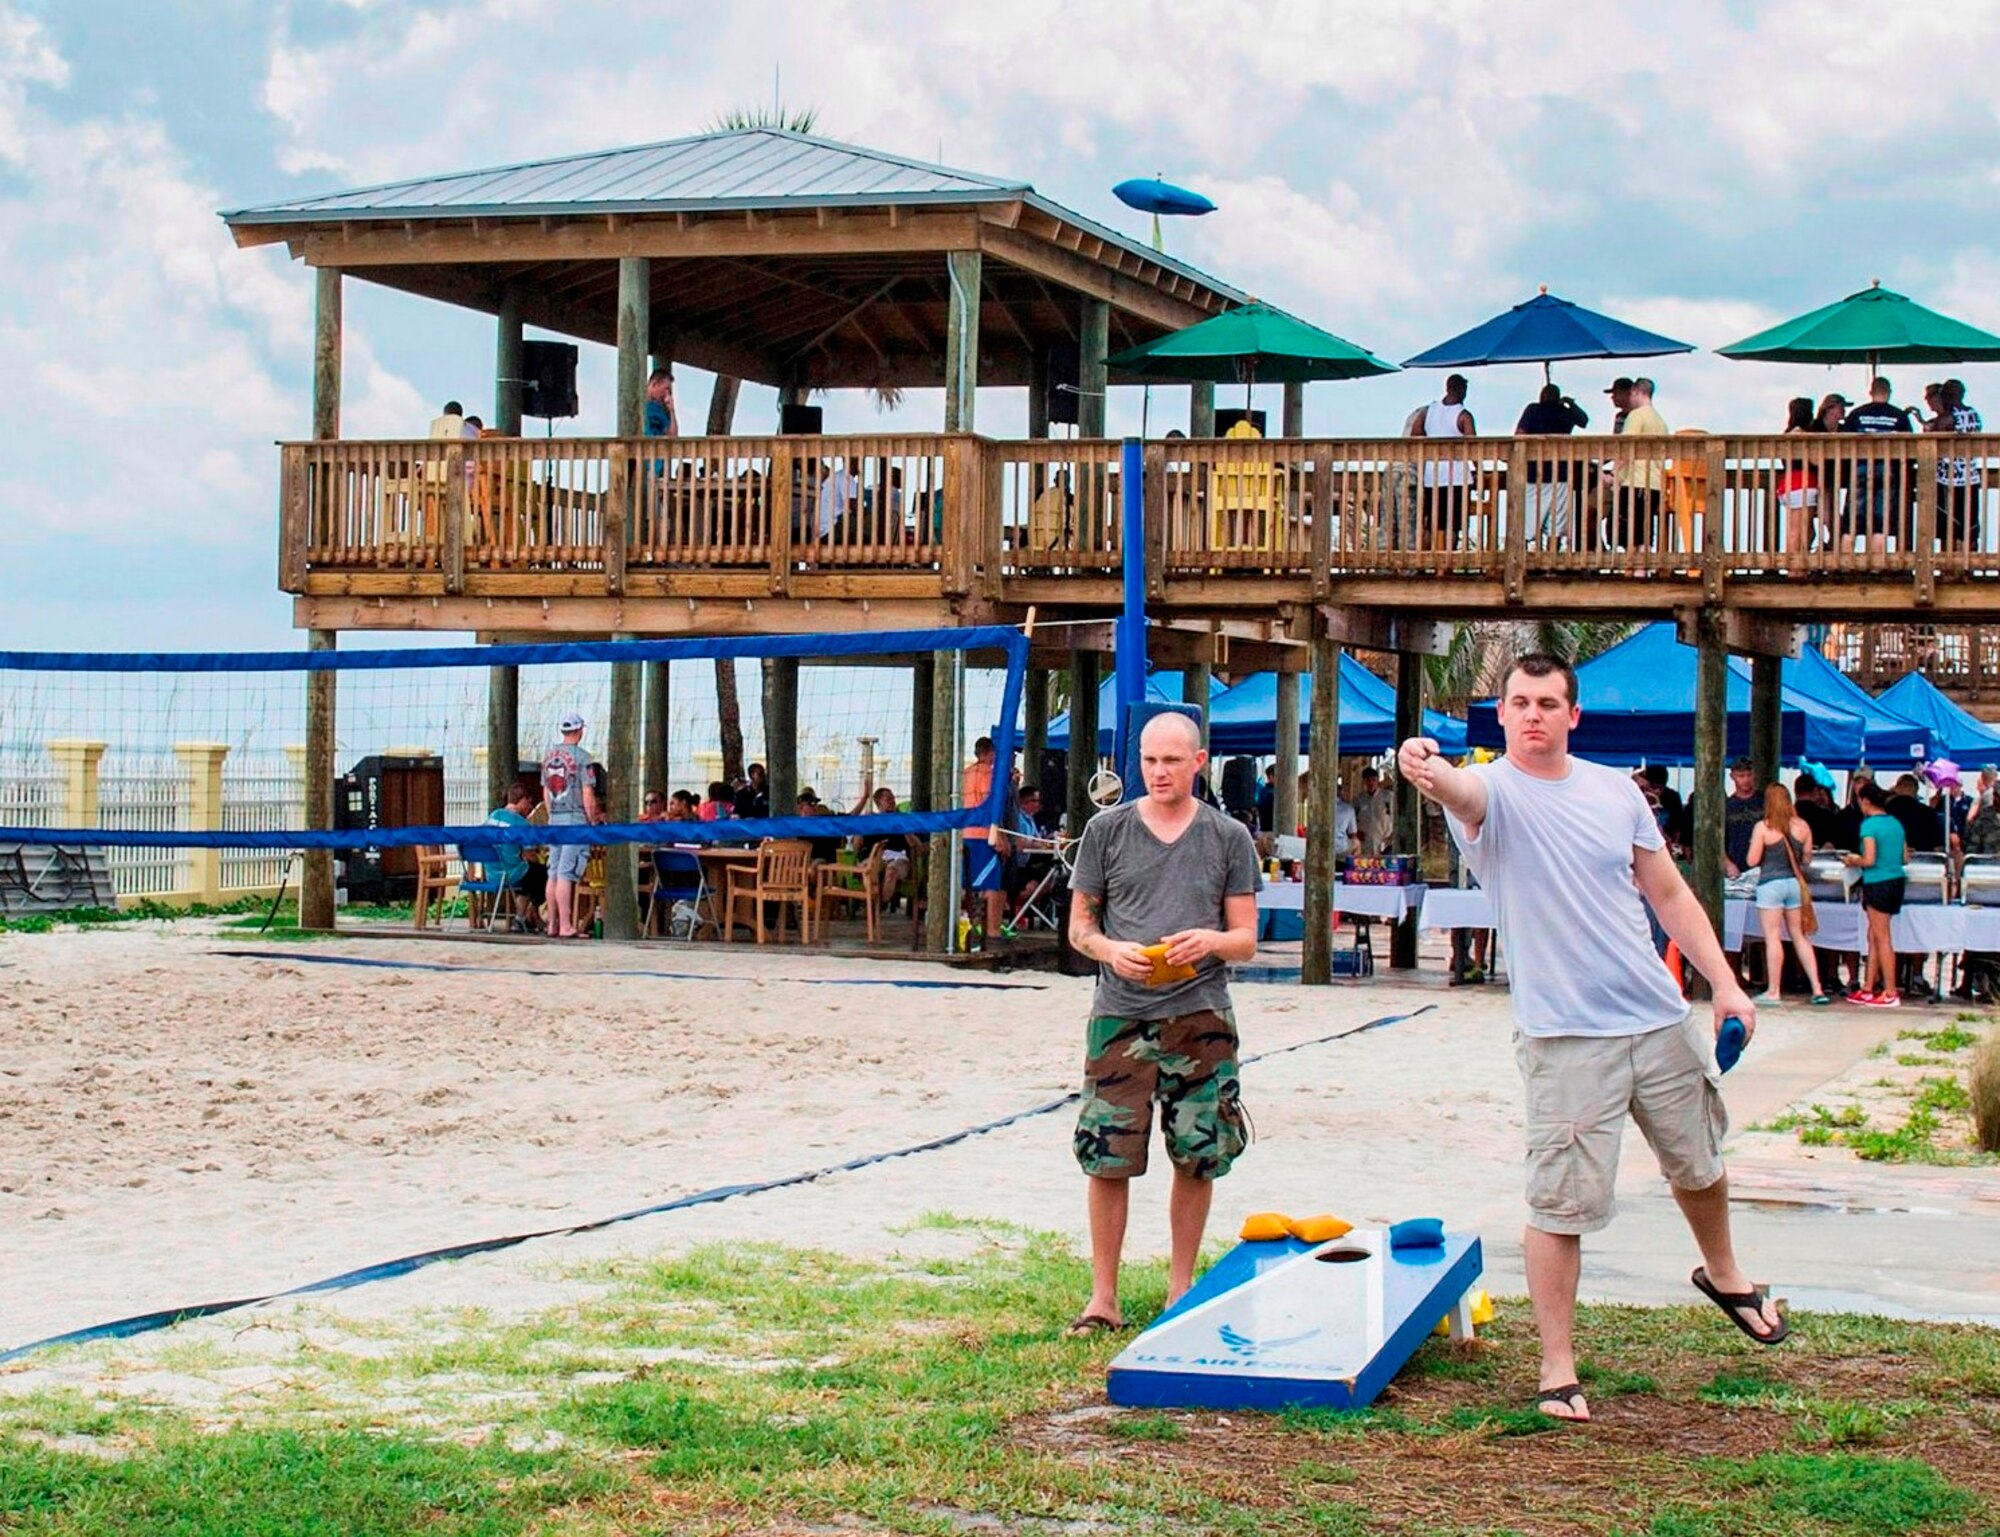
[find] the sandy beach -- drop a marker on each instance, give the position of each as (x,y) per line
(179,1126)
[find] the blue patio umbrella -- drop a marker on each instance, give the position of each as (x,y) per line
(1546,330)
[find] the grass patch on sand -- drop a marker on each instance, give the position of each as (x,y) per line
(765,1390)
(1928,1114)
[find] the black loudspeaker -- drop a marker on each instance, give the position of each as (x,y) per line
(1239,785)
(810,420)
(550,369)
(1224,420)
(1054,785)
(1065,365)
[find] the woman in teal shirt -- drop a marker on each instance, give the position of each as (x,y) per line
(1881,865)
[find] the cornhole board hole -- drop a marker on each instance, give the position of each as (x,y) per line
(1289,1324)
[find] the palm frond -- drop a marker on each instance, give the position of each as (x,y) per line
(787,119)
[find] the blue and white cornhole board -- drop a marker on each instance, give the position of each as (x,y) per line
(1295,1325)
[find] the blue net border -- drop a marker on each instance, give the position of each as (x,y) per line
(1011,643)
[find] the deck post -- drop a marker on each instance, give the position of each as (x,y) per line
(1201,409)
(503,733)
(316,908)
(1035,736)
(781,733)
(941,881)
(1711,727)
(1285,794)
(1323,788)
(1092,377)
(961,339)
(923,732)
(1084,676)
(621,782)
(1409,808)
(1038,396)
(326,353)
(509,394)
(634,338)
(659,705)
(1196,679)
(1294,414)
(1767,705)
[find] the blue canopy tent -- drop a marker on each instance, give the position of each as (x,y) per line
(1162,687)
(1963,738)
(1638,706)
(1245,720)
(1888,735)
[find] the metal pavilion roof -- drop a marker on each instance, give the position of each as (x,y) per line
(737,169)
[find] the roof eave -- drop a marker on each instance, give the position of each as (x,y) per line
(283,213)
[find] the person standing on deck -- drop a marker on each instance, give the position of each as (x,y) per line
(1445,483)
(1571,857)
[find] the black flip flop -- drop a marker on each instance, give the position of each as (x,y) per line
(1570,1396)
(1729,1302)
(1084,1325)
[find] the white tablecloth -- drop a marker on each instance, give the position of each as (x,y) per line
(1920,929)
(1391,902)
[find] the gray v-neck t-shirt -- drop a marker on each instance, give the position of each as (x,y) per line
(1152,889)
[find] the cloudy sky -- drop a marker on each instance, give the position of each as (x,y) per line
(1395,171)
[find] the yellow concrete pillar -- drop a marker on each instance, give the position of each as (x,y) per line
(76,767)
(203,815)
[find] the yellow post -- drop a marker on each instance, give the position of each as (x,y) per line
(77,764)
(204,815)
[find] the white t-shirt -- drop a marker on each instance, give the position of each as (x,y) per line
(1555,857)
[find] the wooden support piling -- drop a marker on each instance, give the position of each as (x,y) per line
(1409,808)
(503,733)
(1711,728)
(1285,796)
(1767,705)
(316,904)
(621,782)
(942,879)
(1316,961)
(659,712)
(1084,677)
(781,733)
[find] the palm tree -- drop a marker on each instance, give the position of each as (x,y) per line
(1480,652)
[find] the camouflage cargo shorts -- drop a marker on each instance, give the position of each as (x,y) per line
(1187,1065)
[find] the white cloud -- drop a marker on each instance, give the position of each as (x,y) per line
(27,58)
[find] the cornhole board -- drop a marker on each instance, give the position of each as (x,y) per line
(1287,1324)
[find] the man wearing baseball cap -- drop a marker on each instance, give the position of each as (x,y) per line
(571,799)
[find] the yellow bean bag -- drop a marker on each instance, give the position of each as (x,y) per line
(1265,1227)
(1320,1229)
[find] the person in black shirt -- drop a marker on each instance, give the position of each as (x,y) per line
(1672,806)
(1880,504)
(824,850)
(1554,486)
(1847,821)
(1816,809)
(753,799)
(1922,831)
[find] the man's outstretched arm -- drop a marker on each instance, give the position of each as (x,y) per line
(1423,764)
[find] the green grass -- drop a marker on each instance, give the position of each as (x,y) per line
(1935,1111)
(763,1389)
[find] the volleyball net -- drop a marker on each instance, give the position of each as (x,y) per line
(149,754)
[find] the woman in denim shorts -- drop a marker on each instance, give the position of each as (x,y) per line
(1780,845)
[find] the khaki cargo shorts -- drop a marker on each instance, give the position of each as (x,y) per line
(1187,1065)
(1580,1089)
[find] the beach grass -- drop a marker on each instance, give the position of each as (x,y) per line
(771,1390)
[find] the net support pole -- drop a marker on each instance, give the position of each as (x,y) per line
(659,707)
(1767,705)
(941,881)
(1409,809)
(1035,730)
(316,875)
(503,733)
(1316,962)
(923,734)
(621,777)
(1711,738)
(781,732)
(1285,793)
(1083,681)
(1130,660)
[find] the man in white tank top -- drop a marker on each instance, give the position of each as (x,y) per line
(1566,850)
(1444,480)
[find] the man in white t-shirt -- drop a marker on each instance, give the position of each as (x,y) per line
(1565,850)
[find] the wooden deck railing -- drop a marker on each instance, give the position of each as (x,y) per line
(962,510)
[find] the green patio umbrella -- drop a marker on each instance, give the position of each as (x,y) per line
(1875,326)
(1248,345)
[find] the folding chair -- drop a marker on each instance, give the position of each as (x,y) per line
(476,889)
(678,878)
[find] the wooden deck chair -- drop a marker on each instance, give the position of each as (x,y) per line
(434,881)
(1246,502)
(782,875)
(1687,487)
(834,884)
(589,891)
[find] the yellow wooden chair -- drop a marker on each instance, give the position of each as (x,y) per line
(435,882)
(782,874)
(1246,502)
(589,891)
(853,884)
